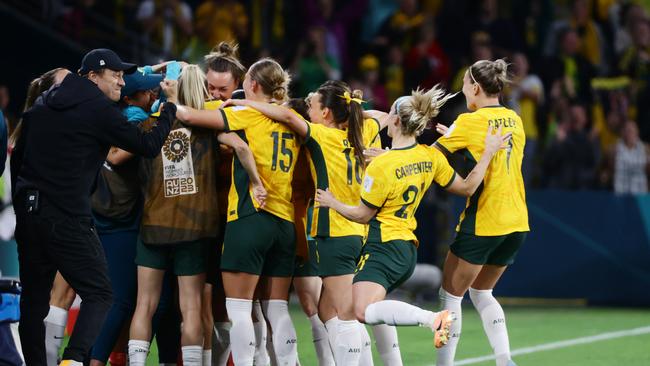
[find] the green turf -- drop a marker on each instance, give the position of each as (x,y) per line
(527,327)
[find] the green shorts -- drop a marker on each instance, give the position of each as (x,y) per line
(185,259)
(338,255)
(261,244)
(388,264)
(213,262)
(495,250)
(308,268)
(213,255)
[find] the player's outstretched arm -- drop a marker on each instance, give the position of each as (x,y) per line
(361,213)
(191,116)
(381,117)
(275,112)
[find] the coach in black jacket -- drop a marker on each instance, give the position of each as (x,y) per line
(67,135)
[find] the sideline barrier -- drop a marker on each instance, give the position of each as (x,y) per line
(587,245)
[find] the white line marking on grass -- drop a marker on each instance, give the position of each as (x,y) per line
(561,344)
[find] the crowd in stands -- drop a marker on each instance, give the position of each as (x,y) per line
(580,74)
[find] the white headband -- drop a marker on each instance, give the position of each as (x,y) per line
(472,75)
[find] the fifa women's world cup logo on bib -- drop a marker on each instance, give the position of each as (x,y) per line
(178,171)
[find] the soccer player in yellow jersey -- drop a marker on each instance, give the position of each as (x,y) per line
(224,73)
(335,141)
(393,186)
(152,256)
(495,221)
(259,243)
(306,282)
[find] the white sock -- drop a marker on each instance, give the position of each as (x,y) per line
(55,323)
(261,355)
(347,349)
(393,312)
(284,334)
(321,343)
(271,351)
(366,348)
(447,353)
(221,343)
(494,323)
(242,334)
(207,357)
(192,355)
(332,328)
(138,351)
(387,344)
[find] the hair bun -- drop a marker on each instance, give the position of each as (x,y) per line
(500,65)
(358,94)
(226,49)
(501,70)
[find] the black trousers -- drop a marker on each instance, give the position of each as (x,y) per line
(50,240)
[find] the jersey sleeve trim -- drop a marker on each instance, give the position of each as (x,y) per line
(308,136)
(453,176)
(374,138)
(377,122)
(225,119)
(370,204)
(442,149)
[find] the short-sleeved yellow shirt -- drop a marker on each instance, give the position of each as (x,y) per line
(334,166)
(498,207)
(275,149)
(394,184)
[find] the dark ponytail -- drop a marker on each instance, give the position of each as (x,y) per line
(346,107)
(355,126)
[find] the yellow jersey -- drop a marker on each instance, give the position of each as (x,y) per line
(498,207)
(371,136)
(395,183)
(212,105)
(333,166)
(275,149)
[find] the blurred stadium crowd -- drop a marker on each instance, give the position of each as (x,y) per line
(580,68)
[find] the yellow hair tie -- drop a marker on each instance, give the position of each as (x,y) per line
(349,99)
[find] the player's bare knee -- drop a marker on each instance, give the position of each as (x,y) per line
(360,312)
(309,307)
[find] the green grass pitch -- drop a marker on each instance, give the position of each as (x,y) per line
(528,327)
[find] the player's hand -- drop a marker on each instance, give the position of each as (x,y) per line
(324,198)
(442,129)
(170,88)
(496,141)
(234,102)
(372,153)
(259,194)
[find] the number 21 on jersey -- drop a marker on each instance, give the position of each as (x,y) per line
(409,196)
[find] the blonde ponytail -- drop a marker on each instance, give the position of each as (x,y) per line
(415,111)
(191,87)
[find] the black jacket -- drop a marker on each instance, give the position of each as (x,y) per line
(66,137)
